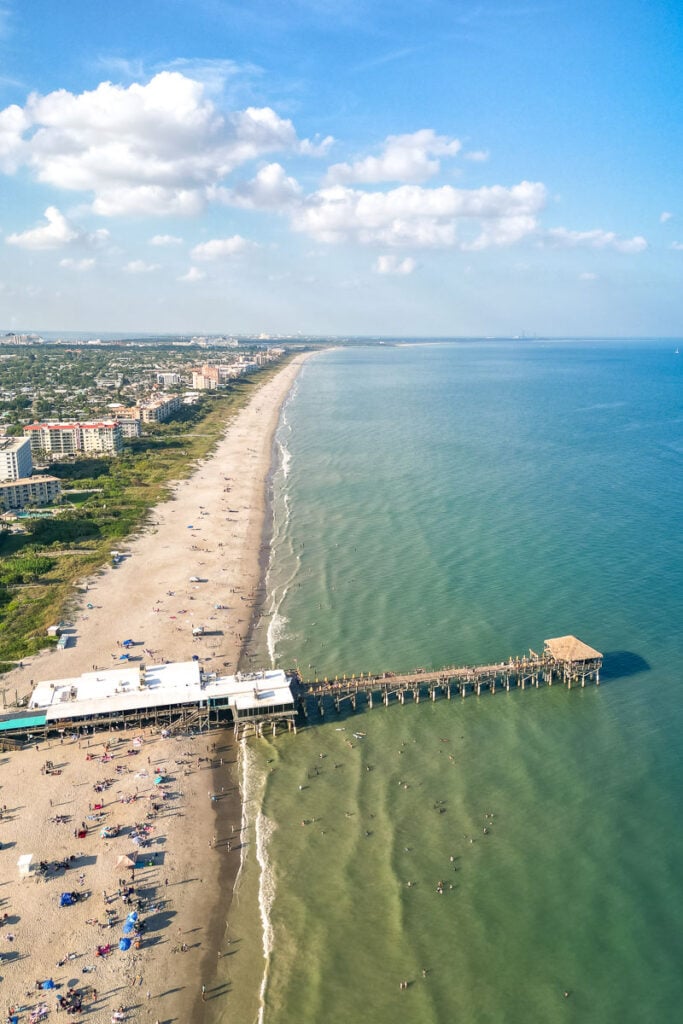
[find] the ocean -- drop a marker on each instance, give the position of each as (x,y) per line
(460,502)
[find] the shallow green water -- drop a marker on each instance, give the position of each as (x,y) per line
(462,503)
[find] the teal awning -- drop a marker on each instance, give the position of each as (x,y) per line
(32,722)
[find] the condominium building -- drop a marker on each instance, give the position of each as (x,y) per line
(169,380)
(15,458)
(206,379)
(102,437)
(34,490)
(56,439)
(209,377)
(160,410)
(130,426)
(62,439)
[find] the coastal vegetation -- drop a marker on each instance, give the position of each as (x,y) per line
(105,501)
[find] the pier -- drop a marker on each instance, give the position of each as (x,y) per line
(565,660)
(180,697)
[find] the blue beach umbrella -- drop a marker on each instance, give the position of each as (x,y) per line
(128,928)
(124,944)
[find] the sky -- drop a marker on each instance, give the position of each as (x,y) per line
(342,167)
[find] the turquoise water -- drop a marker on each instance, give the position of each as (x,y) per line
(461,503)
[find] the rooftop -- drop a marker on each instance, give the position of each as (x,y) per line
(176,683)
(570,648)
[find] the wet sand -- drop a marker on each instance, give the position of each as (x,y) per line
(212,528)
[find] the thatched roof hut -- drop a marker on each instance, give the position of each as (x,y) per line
(570,648)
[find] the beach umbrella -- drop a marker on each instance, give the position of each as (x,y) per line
(125,862)
(127,643)
(128,928)
(132,917)
(48,984)
(124,944)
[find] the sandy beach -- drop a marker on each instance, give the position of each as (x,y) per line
(187,827)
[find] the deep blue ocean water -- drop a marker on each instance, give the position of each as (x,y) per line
(459,503)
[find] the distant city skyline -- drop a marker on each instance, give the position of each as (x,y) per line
(341,168)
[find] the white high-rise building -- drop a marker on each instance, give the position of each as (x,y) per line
(15,458)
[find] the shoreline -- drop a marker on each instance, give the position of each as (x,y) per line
(260,604)
(225,503)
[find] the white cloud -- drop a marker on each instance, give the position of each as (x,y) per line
(477,156)
(56,233)
(677,245)
(140,267)
(13,124)
(391,264)
(80,265)
(422,217)
(271,189)
(316,146)
(665,216)
(148,150)
(595,239)
(408,158)
(148,201)
(165,240)
(192,275)
(220,248)
(588,276)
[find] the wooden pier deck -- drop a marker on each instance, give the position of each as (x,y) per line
(565,660)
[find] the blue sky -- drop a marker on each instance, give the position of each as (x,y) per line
(342,166)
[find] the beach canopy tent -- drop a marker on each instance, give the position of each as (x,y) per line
(48,984)
(24,863)
(132,917)
(66,900)
(158,779)
(126,643)
(128,928)
(125,862)
(124,944)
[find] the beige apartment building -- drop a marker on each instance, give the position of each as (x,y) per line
(59,440)
(34,490)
